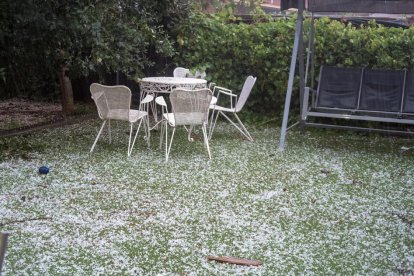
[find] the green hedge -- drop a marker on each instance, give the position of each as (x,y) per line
(229,52)
(373,46)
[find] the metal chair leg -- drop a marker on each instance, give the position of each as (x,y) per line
(135,138)
(147,131)
(189,131)
(109,131)
(204,128)
(162,134)
(213,124)
(169,147)
(97,137)
(237,127)
(166,142)
(130,136)
(244,128)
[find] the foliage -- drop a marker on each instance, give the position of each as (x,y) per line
(217,5)
(42,37)
(229,52)
(139,37)
(374,46)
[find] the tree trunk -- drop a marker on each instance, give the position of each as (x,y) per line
(67,93)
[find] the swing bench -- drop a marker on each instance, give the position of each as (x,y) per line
(376,95)
(344,94)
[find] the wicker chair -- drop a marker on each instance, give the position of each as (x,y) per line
(113,103)
(189,108)
(236,105)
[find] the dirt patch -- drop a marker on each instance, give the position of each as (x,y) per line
(18,113)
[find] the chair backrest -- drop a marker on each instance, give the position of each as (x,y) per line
(190,107)
(181,72)
(111,98)
(382,90)
(339,87)
(245,92)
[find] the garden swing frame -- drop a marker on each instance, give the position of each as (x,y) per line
(330,6)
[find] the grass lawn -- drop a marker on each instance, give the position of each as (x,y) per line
(332,203)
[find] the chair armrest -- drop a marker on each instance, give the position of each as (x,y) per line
(147,99)
(228,92)
(160,101)
(219,88)
(305,104)
(311,93)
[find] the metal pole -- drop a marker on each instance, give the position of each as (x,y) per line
(298,33)
(309,57)
(312,49)
(301,76)
(3,246)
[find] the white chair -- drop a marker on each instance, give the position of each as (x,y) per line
(236,105)
(186,73)
(181,72)
(113,103)
(202,75)
(189,108)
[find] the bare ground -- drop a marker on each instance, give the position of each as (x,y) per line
(20,113)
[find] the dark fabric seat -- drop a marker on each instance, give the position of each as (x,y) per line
(339,87)
(382,90)
(370,95)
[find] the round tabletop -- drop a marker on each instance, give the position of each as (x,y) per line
(174,80)
(156,85)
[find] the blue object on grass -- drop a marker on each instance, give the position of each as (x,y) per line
(43,170)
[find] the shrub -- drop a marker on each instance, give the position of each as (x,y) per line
(229,52)
(39,38)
